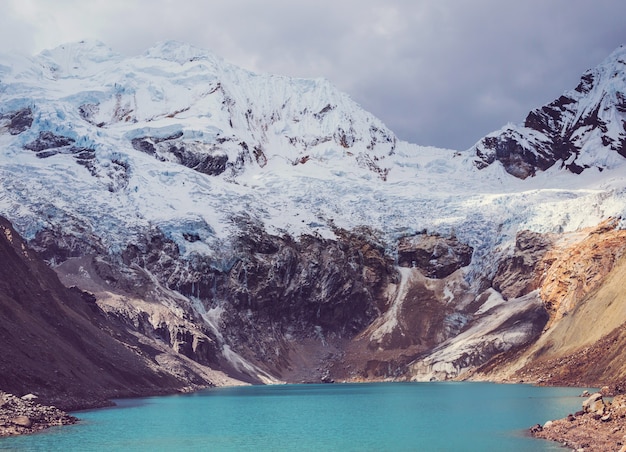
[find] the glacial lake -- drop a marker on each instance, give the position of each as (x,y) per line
(336,417)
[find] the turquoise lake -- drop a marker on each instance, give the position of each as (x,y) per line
(337,417)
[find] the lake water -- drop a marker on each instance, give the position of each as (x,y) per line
(339,417)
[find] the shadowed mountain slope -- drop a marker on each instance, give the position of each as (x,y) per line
(57,343)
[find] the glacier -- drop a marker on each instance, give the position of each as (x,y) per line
(166,91)
(180,141)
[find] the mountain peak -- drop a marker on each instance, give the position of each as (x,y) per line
(584,128)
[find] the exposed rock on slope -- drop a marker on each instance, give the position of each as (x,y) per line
(587,345)
(498,326)
(581,283)
(578,264)
(582,128)
(436,256)
(539,293)
(57,343)
(17,121)
(519,274)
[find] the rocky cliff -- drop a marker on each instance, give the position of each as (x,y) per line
(58,343)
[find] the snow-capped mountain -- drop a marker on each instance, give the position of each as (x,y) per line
(275,218)
(584,128)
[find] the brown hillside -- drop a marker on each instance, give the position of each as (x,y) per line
(53,341)
(588,345)
(582,281)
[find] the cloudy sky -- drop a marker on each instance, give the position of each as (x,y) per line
(437,72)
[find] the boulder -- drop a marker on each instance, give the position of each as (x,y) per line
(594,404)
(548,424)
(22,421)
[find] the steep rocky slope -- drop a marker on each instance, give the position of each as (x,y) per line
(56,341)
(580,279)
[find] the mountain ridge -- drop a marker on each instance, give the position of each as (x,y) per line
(270,228)
(584,127)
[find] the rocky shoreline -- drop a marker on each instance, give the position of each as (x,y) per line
(23,415)
(599,426)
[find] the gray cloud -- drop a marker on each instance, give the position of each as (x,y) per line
(439,73)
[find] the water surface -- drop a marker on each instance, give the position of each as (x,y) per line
(340,417)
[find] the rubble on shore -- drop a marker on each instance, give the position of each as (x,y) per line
(599,426)
(23,415)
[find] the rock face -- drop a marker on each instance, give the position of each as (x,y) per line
(517,160)
(564,268)
(498,327)
(205,158)
(17,121)
(436,256)
(573,271)
(519,274)
(572,130)
(579,279)
(273,294)
(562,314)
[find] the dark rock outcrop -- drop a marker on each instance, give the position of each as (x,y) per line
(516,159)
(48,144)
(435,255)
(316,282)
(517,274)
(17,121)
(203,157)
(55,245)
(48,140)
